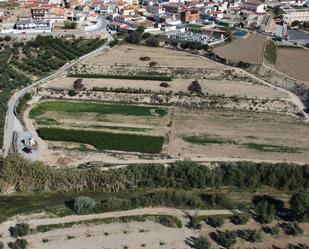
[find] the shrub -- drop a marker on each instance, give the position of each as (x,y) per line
(169,221)
(164,84)
(19,230)
(1,245)
(134,38)
(215,221)
(146,35)
(195,87)
(18,244)
(272,230)
(265,212)
(72,93)
(201,243)
(227,239)
(152,64)
(239,219)
(114,42)
(195,222)
(292,228)
(299,205)
(145,58)
(83,204)
(250,235)
(152,41)
(78,84)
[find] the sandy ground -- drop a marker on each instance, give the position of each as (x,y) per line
(294,62)
(248,50)
(213,87)
(130,55)
(153,235)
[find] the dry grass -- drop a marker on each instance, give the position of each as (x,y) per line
(247,50)
(294,62)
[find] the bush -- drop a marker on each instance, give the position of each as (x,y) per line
(292,228)
(153,64)
(70,25)
(195,222)
(78,84)
(201,243)
(19,230)
(239,219)
(1,245)
(145,58)
(265,212)
(195,87)
(272,230)
(227,239)
(299,206)
(164,84)
(72,93)
(83,204)
(152,41)
(114,42)
(18,244)
(134,38)
(250,235)
(215,221)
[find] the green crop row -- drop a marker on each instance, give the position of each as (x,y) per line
(105,140)
(76,107)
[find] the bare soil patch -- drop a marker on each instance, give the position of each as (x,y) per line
(248,50)
(243,137)
(294,62)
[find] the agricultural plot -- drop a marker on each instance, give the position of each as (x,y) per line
(87,127)
(104,140)
(247,135)
(248,50)
(294,62)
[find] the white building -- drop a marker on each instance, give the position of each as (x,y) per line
(296,15)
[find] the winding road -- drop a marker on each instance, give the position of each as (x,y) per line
(12,123)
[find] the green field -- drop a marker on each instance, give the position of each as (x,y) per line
(99,108)
(105,140)
(205,139)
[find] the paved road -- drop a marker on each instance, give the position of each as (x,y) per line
(11,119)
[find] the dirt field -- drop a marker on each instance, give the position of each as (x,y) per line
(130,55)
(247,50)
(212,87)
(294,62)
(238,134)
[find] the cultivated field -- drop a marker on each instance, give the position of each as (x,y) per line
(248,50)
(74,132)
(294,62)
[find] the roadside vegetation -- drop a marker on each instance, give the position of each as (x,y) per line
(105,140)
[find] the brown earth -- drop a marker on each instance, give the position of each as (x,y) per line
(248,50)
(294,62)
